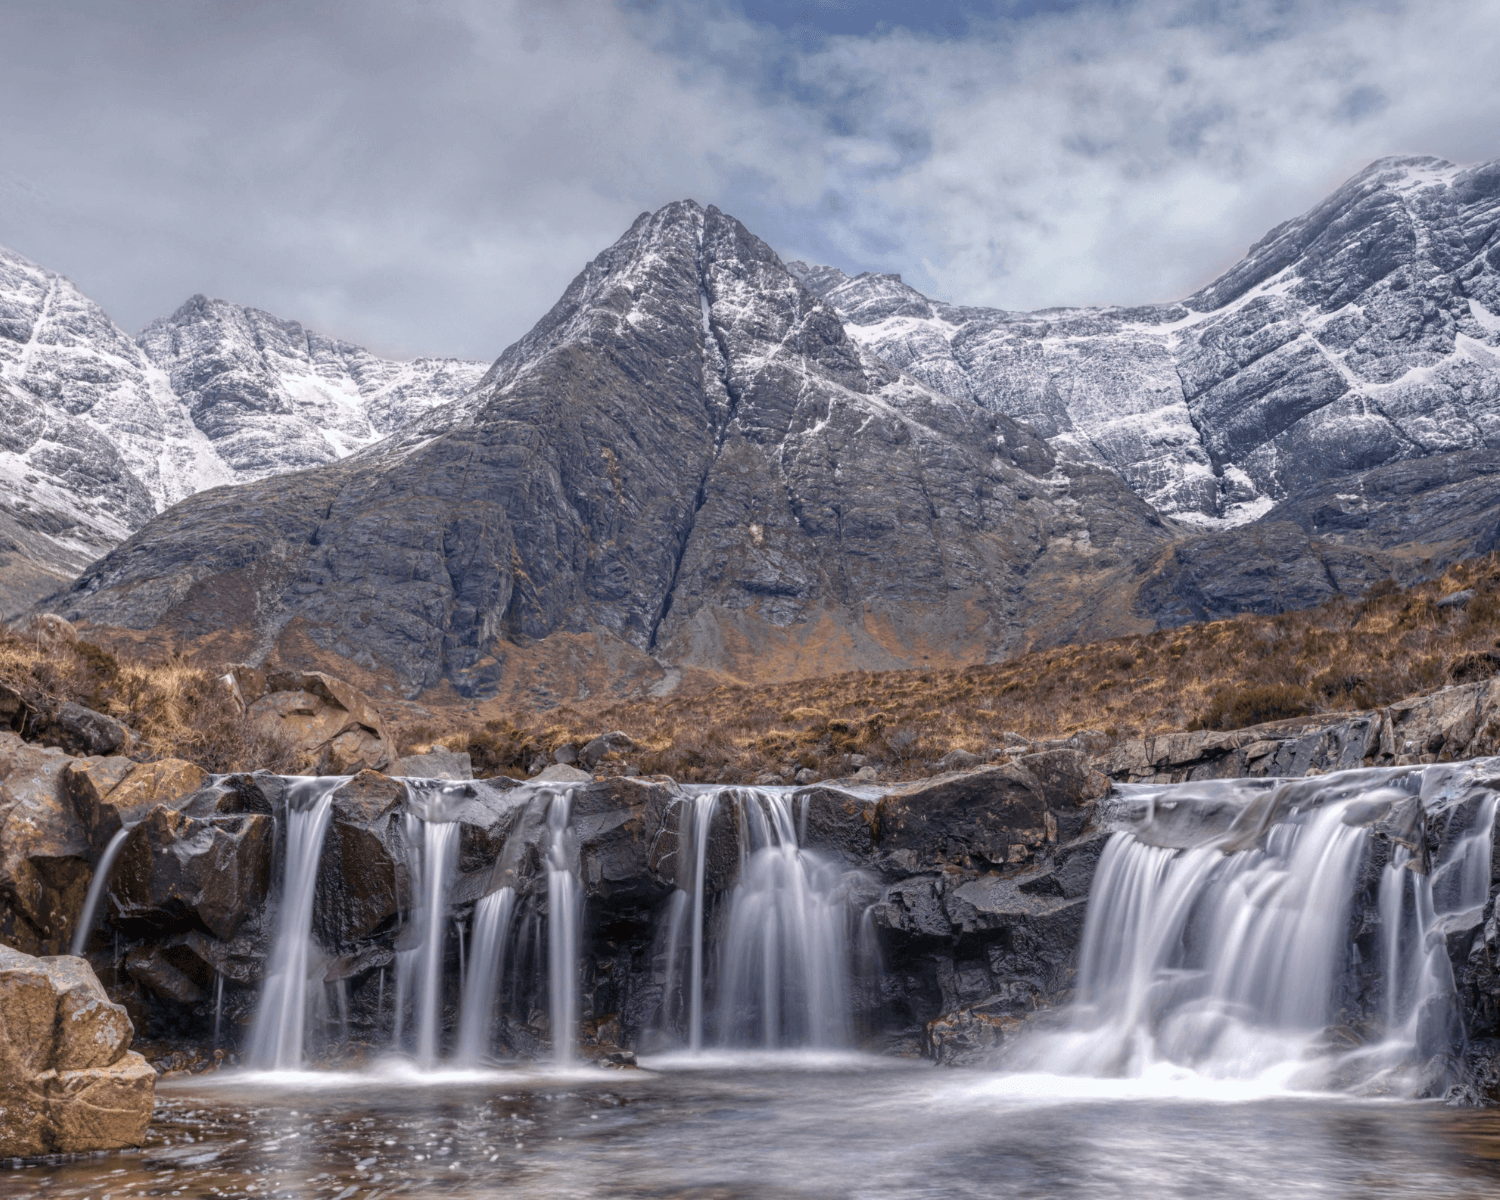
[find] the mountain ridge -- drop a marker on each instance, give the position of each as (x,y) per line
(696,468)
(103,430)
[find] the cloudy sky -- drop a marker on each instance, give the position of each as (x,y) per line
(425,178)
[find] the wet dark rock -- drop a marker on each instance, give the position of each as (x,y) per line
(836,820)
(226,795)
(176,872)
(151,967)
(615,822)
(993,816)
(362,875)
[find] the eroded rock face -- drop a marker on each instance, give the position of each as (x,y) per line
(1363,332)
(117,428)
(44,849)
(363,874)
(1455,723)
(69,1081)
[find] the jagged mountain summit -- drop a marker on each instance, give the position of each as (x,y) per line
(687,464)
(1366,331)
(100,431)
(696,463)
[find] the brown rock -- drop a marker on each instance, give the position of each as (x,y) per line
(332,726)
(112,792)
(44,867)
(177,872)
(68,1079)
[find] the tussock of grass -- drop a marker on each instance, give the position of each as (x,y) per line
(174,709)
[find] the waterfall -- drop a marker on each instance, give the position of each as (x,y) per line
(564,916)
(433,846)
(96,891)
(276,1042)
(1221,932)
(492,918)
(784,955)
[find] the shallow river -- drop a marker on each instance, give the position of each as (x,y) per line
(775,1127)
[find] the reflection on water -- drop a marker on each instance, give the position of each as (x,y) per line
(764,1126)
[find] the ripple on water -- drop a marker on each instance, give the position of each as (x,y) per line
(774,1127)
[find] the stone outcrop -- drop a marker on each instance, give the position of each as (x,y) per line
(1458,722)
(331,726)
(69,1081)
(108,794)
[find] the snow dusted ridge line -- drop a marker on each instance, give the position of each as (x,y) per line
(101,431)
(1362,332)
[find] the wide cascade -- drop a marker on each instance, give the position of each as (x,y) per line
(773,964)
(1287,931)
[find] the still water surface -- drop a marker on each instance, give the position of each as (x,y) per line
(775,1127)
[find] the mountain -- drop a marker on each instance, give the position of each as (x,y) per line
(704,463)
(100,431)
(686,465)
(1364,332)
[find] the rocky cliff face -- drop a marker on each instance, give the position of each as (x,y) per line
(687,462)
(1364,332)
(99,431)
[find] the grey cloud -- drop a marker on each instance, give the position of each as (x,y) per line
(426,178)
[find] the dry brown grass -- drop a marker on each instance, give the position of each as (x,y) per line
(1390,644)
(175,710)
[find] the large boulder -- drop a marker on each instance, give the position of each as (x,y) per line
(331,726)
(44,849)
(69,1081)
(110,793)
(176,872)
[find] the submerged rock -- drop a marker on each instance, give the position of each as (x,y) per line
(69,1081)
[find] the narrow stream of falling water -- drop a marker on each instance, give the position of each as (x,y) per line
(278,1035)
(97,886)
(564,916)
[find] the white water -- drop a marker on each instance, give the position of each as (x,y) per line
(280,1027)
(492,918)
(433,850)
(96,891)
(781,964)
(1238,963)
(564,918)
